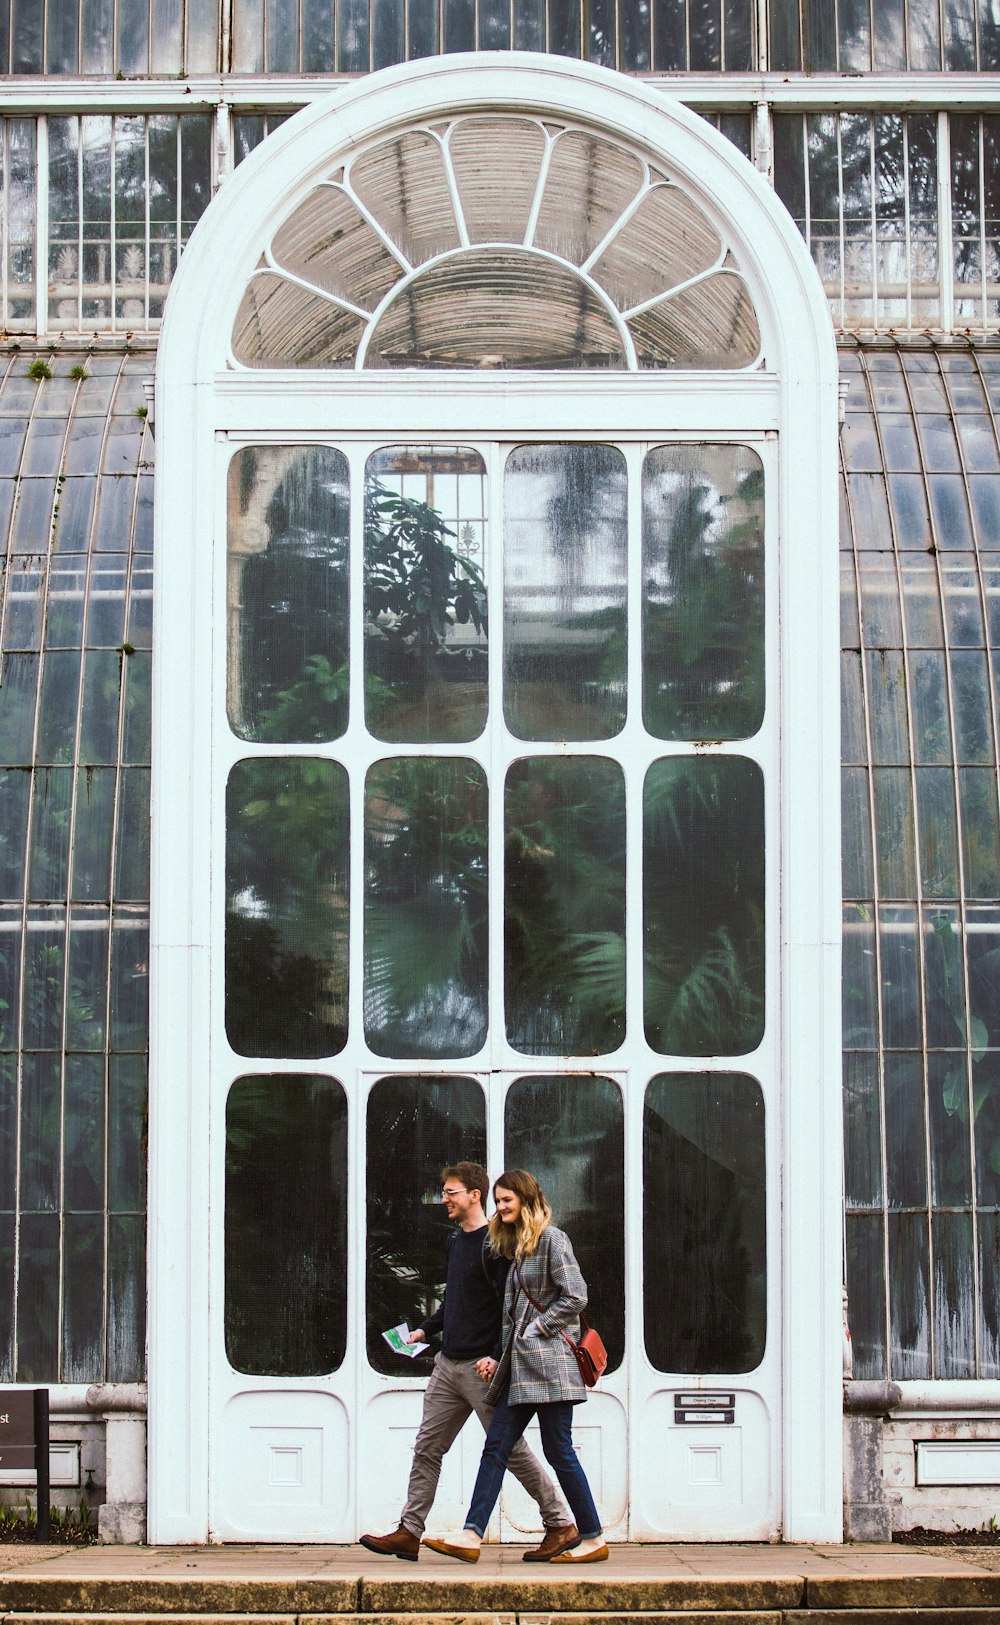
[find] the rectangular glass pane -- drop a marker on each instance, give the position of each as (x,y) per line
(703,899)
(862,1131)
(38,1298)
(44,962)
(286,1225)
(126,1334)
(288,593)
(565,562)
(564,905)
(954,1295)
(570,1132)
(866,1294)
(948,1113)
(703,592)
(856,834)
(703,1163)
(426,907)
(909,1296)
(894,832)
(286,907)
(416,1127)
(127,1130)
(944,991)
(906,1148)
(858,978)
(40,1132)
(425,594)
(901,1027)
(83,1134)
(83,1296)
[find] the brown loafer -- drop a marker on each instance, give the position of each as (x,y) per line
(401,1543)
(588,1557)
(554,1541)
(465,1554)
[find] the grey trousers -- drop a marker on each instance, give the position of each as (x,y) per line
(453,1393)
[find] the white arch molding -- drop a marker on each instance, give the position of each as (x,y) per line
(200,398)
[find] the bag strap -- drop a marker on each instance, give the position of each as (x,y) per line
(584,1322)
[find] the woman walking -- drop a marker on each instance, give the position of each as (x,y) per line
(536,1374)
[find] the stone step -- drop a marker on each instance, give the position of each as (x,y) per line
(830,1598)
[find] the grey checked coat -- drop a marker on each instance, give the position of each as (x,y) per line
(542,1369)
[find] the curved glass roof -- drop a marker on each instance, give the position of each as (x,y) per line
(426,250)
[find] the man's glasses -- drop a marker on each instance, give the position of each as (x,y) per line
(461,1191)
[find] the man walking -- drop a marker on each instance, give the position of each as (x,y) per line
(469,1318)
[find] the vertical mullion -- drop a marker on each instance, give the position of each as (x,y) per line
(946,245)
(41,225)
(873,218)
(906,223)
(148,240)
(982,221)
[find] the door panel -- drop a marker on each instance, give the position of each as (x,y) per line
(498,880)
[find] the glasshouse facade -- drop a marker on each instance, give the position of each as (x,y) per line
(416,748)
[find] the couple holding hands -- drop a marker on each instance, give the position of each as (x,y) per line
(513,1288)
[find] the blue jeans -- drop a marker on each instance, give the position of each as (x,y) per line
(555,1423)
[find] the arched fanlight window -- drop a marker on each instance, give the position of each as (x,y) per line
(497,241)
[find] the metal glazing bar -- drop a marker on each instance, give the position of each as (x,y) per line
(946,246)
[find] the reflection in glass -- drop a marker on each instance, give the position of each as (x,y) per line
(704,1222)
(416,1127)
(286,1225)
(703,896)
(286,907)
(570,1133)
(565,559)
(426,907)
(425,594)
(564,905)
(288,593)
(703,592)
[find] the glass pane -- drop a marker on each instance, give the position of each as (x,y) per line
(703,592)
(48,851)
(938,832)
(703,900)
(704,1226)
(426,907)
(496,308)
(38,1298)
(944,991)
(83,1296)
(989,1294)
(286,1225)
(856,834)
(862,1131)
(565,565)
(40,1132)
(866,1293)
(894,832)
(286,907)
(570,1132)
(126,1297)
(954,1295)
(909,1296)
(288,593)
(83,1134)
(948,1115)
(905,1131)
(425,593)
(900,977)
(564,905)
(416,1127)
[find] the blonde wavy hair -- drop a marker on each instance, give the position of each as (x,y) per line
(520,1239)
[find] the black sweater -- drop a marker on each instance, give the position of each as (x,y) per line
(469,1313)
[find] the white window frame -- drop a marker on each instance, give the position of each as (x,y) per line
(199,398)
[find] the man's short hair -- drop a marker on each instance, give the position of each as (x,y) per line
(470,1174)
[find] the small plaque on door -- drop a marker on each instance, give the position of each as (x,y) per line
(707,1407)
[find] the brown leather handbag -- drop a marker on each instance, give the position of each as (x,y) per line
(591,1355)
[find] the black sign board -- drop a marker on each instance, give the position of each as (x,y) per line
(24,1441)
(705,1408)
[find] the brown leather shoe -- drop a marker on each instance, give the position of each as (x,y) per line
(399,1544)
(553,1542)
(600,1555)
(465,1554)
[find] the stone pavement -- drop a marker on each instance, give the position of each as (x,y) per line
(730,1585)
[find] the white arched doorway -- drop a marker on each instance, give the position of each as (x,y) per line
(496,731)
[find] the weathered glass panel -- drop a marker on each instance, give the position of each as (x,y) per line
(415,1127)
(426,907)
(703,592)
(286,907)
(905,1131)
(425,633)
(570,1132)
(703,902)
(909,1295)
(865,1238)
(704,1165)
(564,905)
(565,564)
(288,541)
(286,1225)
(862,1131)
